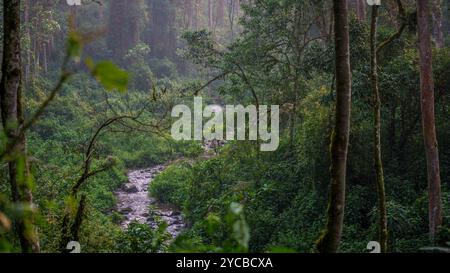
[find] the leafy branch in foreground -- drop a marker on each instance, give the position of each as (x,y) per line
(87,173)
(14,124)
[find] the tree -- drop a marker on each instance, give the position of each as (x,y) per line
(124,26)
(330,239)
(233,12)
(361,10)
(382,218)
(161,35)
(220,13)
(12,120)
(26,19)
(375,49)
(438,32)
(188,13)
(210,15)
(71,223)
(428,118)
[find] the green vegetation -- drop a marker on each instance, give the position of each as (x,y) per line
(111,114)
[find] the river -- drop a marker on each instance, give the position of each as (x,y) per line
(135,204)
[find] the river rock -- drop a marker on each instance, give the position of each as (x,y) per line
(134,202)
(176,221)
(130,188)
(175,213)
(126,210)
(163,213)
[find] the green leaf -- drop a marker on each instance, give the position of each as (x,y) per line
(236,208)
(110,76)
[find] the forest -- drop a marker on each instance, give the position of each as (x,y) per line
(353,94)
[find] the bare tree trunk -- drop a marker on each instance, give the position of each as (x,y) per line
(35,51)
(378,163)
(44,56)
(210,15)
(12,119)
(361,10)
(188,6)
(438,32)
(124,30)
(195,15)
(26,18)
(324,23)
(331,237)
(73,16)
(232,16)
(220,13)
(428,119)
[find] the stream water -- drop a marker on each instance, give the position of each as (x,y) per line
(135,204)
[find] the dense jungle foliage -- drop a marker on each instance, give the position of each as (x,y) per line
(141,57)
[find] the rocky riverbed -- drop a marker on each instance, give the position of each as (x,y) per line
(135,204)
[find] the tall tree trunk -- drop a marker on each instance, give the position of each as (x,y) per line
(73,16)
(195,14)
(162,35)
(232,14)
(220,13)
(331,237)
(35,49)
(123,32)
(210,15)
(45,56)
(428,119)
(378,163)
(26,18)
(12,119)
(188,7)
(361,10)
(438,32)
(324,23)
